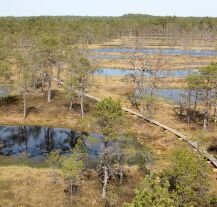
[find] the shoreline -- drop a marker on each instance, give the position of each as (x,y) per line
(130,68)
(157,42)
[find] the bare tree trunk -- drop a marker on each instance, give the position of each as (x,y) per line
(71,103)
(82,105)
(195,104)
(24,105)
(49,91)
(205,122)
(189,107)
(120,168)
(181,104)
(105,181)
(121,174)
(43,83)
(34,82)
(188,117)
(206,115)
(142,107)
(58,75)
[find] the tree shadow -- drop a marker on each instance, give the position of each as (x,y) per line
(196,117)
(213,148)
(76,107)
(9,100)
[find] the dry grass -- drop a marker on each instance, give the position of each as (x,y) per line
(42,113)
(29,187)
(34,187)
(172,62)
(161,41)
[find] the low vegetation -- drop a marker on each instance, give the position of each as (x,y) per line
(137,164)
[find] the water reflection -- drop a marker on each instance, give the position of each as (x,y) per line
(35,141)
(161,73)
(170,94)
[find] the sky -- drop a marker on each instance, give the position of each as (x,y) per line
(108,7)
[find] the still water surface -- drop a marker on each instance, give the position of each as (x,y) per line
(169,51)
(38,141)
(161,73)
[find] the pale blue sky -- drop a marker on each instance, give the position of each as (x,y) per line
(108,7)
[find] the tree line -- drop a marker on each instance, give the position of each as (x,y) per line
(99,29)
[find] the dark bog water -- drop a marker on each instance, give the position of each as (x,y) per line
(124,72)
(169,51)
(38,141)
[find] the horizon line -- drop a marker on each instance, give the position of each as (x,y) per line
(71,15)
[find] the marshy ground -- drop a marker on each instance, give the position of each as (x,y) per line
(23,183)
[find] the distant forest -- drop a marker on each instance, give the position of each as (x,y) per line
(73,29)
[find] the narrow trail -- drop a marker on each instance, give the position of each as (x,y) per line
(194,145)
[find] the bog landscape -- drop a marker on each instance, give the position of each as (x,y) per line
(108,111)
